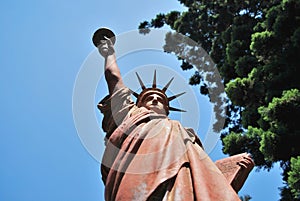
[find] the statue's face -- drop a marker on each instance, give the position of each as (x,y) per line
(155,103)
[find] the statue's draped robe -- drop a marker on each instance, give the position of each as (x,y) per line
(150,157)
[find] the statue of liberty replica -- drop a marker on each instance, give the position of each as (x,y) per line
(148,156)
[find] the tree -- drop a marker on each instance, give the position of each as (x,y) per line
(245,198)
(256,45)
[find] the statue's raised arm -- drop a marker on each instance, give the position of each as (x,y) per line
(104,40)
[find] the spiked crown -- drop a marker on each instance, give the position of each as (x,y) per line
(154,90)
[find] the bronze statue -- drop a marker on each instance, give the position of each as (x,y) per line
(149,156)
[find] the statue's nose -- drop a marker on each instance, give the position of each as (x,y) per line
(154,100)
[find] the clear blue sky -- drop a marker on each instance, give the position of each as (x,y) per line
(43,46)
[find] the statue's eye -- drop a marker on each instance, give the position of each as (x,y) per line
(149,98)
(160,99)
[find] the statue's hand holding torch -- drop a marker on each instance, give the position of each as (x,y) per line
(104,39)
(106,47)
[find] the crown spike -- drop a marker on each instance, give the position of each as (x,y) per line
(140,81)
(175,96)
(154,80)
(176,109)
(134,93)
(167,85)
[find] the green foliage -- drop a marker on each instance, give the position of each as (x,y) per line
(294,177)
(238,89)
(186,66)
(280,114)
(268,145)
(256,46)
(286,194)
(260,43)
(195,79)
(244,65)
(291,192)
(249,141)
(245,198)
(159,21)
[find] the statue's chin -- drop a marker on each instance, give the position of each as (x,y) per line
(157,110)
